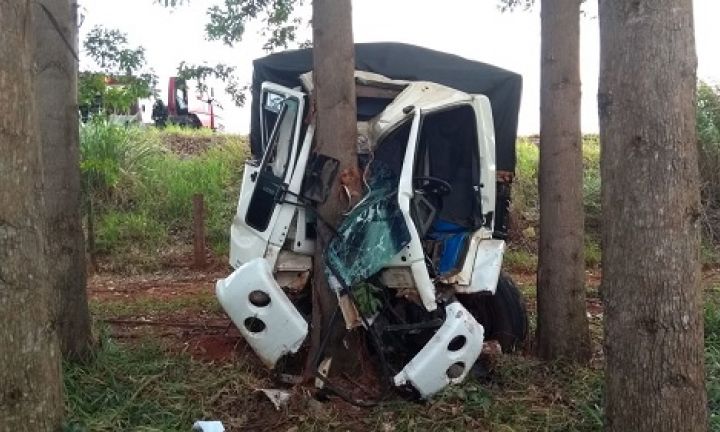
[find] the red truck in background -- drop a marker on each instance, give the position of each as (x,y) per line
(182,110)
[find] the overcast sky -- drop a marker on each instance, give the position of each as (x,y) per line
(471,28)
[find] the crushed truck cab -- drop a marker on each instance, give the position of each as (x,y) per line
(417,261)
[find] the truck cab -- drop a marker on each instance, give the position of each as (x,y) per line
(424,235)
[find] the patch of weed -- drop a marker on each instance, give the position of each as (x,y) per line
(519,261)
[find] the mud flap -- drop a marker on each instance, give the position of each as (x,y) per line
(261,311)
(447,357)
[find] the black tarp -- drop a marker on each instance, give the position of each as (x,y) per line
(412,63)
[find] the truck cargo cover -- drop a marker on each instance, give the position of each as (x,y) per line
(412,63)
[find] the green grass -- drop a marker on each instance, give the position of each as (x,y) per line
(196,303)
(519,261)
(142,192)
(124,229)
(525,203)
(145,388)
(167,186)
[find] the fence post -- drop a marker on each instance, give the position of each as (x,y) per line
(199,230)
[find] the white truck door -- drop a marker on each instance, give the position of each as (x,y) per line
(265,182)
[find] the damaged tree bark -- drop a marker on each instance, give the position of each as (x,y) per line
(336,137)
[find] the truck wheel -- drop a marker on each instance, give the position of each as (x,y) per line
(503,315)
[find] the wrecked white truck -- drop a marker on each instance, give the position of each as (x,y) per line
(417,261)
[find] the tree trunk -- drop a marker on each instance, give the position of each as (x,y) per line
(30,380)
(335,136)
(650,199)
(562,330)
(56,102)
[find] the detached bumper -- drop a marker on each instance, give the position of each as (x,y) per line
(448,356)
(261,311)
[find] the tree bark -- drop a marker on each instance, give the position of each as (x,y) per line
(57,107)
(651,205)
(562,330)
(30,377)
(335,136)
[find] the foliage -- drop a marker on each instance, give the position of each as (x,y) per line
(201,73)
(109,48)
(511,5)
(708,113)
(708,133)
(228,22)
(121,78)
(366,295)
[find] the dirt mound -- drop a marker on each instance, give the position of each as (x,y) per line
(191,144)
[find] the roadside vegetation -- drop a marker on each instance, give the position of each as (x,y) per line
(138,188)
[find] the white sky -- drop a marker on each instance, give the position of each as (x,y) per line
(471,28)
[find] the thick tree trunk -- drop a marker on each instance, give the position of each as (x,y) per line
(562,329)
(30,383)
(650,199)
(335,133)
(56,103)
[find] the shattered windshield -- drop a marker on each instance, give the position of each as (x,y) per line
(372,234)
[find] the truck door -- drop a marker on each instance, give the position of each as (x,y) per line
(265,182)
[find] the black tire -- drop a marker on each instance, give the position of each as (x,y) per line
(503,315)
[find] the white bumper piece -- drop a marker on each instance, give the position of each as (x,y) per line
(261,311)
(448,356)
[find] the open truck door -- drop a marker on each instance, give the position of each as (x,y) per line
(270,186)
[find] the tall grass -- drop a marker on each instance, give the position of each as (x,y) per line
(112,157)
(139,193)
(526,204)
(167,188)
